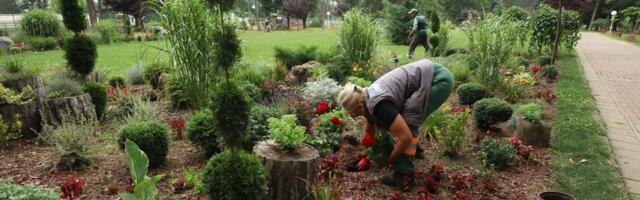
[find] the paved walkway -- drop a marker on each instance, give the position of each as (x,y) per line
(612,68)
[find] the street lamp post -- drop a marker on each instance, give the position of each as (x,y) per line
(328,18)
(613,19)
(255,16)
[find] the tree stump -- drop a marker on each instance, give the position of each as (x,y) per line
(76,107)
(34,82)
(29,116)
(291,174)
(532,133)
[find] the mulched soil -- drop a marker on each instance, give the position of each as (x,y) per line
(29,161)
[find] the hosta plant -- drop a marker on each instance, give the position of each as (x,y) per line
(144,186)
(286,133)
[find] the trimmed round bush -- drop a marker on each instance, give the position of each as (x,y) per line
(152,138)
(117,82)
(201,131)
(98,96)
(155,72)
(43,43)
(233,175)
(231,108)
(81,54)
(40,23)
(550,71)
(544,60)
(490,111)
(469,93)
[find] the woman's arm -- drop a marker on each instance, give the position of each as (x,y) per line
(369,128)
(401,130)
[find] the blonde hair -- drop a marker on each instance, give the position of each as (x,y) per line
(350,97)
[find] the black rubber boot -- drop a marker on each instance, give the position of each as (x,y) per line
(419,152)
(401,181)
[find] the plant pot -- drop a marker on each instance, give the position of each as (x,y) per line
(555,196)
(291,173)
(535,134)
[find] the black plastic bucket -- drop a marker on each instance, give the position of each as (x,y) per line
(555,196)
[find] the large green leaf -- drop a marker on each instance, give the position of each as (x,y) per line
(137,161)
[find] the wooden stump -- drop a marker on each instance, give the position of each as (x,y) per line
(34,82)
(76,107)
(532,133)
(29,116)
(291,174)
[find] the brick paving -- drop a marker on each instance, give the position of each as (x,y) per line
(612,69)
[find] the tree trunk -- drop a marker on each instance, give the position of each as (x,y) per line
(92,14)
(532,133)
(593,15)
(139,22)
(291,174)
(288,23)
(79,107)
(30,115)
(556,43)
(304,23)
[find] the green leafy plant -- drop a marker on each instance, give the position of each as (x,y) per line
(543,27)
(550,71)
(516,13)
(60,86)
(13,65)
(9,132)
(40,23)
(43,43)
(259,119)
(531,112)
(71,140)
(512,92)
(328,132)
(232,175)
(357,38)
(138,163)
(156,72)
(81,54)
(8,96)
(360,82)
(490,111)
(12,191)
(469,93)
(286,134)
(453,138)
(108,30)
(98,95)
(194,180)
(496,153)
(152,137)
(544,60)
(117,82)
(200,130)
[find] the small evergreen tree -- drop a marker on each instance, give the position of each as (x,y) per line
(80,50)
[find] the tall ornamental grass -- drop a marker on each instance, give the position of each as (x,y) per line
(491,44)
(358,37)
(191,31)
(40,23)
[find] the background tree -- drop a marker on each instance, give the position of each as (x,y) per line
(135,8)
(582,6)
(9,7)
(398,23)
(32,4)
(299,9)
(271,6)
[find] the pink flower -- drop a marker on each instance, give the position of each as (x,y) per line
(322,108)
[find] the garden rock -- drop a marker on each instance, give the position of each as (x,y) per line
(535,134)
(300,73)
(290,173)
(5,44)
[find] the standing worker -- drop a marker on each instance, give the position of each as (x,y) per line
(398,103)
(419,32)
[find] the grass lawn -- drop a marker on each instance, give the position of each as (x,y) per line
(257,49)
(578,135)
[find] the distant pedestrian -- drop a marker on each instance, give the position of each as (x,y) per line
(418,33)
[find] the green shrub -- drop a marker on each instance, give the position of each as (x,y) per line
(73,16)
(252,91)
(490,111)
(327,133)
(108,31)
(135,74)
(531,112)
(516,13)
(13,65)
(233,175)
(9,132)
(550,71)
(151,136)
(231,109)
(453,138)
(43,43)
(201,131)
(40,23)
(117,82)
(325,89)
(339,70)
(60,86)
(259,129)
(155,73)
(81,54)
(469,93)
(398,23)
(251,75)
(460,70)
(98,96)
(132,109)
(360,82)
(496,153)
(293,57)
(543,27)
(11,191)
(174,89)
(357,38)
(71,140)
(286,133)
(544,60)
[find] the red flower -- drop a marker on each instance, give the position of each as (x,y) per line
(336,121)
(515,141)
(363,164)
(177,126)
(71,187)
(368,140)
(180,184)
(437,168)
(322,108)
(535,69)
(491,133)
(525,151)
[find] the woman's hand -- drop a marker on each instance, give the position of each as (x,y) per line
(401,130)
